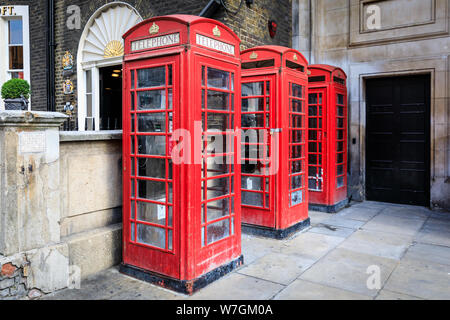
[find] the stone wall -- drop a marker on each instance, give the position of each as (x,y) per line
(410,40)
(60,203)
(91,199)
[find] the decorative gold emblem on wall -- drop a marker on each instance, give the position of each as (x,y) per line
(68,86)
(113,49)
(295,57)
(216,31)
(67,61)
(154,29)
(254,55)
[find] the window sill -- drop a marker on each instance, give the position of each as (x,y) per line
(71,136)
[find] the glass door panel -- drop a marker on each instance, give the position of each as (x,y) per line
(315,143)
(151,175)
(256,125)
(217,177)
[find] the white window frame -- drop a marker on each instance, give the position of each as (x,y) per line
(23,13)
(94,66)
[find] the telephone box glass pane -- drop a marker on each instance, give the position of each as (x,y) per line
(216,166)
(253,89)
(152,77)
(151,100)
(252,183)
(252,199)
(218,79)
(152,145)
(252,104)
(217,188)
(218,209)
(152,122)
(152,168)
(218,230)
(151,212)
(150,235)
(152,190)
(218,100)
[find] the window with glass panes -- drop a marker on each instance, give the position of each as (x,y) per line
(217,180)
(315,134)
(152,108)
(297,132)
(340,140)
(15,48)
(255,123)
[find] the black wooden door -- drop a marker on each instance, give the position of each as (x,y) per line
(398,140)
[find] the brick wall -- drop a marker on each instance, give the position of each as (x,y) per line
(250,24)
(38,50)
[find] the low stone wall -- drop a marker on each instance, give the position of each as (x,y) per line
(60,204)
(91,199)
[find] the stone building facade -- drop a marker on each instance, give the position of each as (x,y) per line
(376,42)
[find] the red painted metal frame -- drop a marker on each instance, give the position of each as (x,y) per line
(187,258)
(329,81)
(282,212)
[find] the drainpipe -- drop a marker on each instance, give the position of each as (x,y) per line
(51,55)
(310,30)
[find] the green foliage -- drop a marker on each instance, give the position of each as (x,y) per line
(13,88)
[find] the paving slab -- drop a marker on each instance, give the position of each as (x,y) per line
(339,221)
(347,270)
(441,215)
(428,252)
(332,230)
(317,217)
(101,286)
(420,279)
(389,295)
(412,212)
(254,247)
(359,213)
(369,204)
(311,245)
(305,290)
(434,233)
(277,267)
(381,244)
(237,286)
(394,224)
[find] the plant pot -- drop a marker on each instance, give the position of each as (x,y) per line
(16,104)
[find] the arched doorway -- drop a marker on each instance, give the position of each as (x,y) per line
(99,64)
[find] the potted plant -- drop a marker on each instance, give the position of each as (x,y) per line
(16,93)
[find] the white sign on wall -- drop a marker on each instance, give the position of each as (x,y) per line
(31,142)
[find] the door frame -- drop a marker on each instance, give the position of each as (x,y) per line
(363,122)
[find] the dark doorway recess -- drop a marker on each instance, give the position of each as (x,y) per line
(111,98)
(398,140)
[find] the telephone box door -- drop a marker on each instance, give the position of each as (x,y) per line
(297,152)
(317,155)
(151,225)
(258,124)
(217,91)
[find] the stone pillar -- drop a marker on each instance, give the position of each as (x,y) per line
(29,180)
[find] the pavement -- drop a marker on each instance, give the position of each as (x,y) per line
(369,250)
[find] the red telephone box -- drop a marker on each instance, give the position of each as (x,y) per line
(274,112)
(181,210)
(327,138)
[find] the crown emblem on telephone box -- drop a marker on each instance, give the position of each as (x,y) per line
(154,28)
